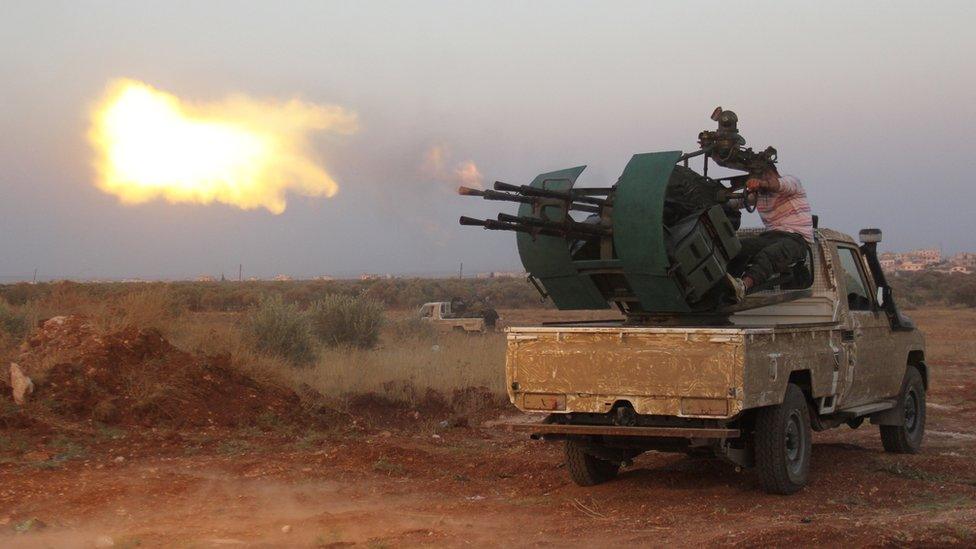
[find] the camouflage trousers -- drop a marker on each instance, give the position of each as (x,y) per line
(768,254)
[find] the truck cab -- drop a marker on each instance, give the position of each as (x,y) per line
(750,387)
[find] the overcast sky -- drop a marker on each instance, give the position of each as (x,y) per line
(870,104)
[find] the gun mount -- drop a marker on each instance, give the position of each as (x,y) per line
(726,147)
(655,244)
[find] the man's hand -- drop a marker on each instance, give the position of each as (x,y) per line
(768,182)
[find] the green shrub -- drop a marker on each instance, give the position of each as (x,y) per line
(280,329)
(14,322)
(346,320)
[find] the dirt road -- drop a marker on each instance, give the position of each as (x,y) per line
(410,482)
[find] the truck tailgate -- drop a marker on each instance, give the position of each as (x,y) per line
(690,372)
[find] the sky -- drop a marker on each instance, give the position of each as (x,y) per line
(870,104)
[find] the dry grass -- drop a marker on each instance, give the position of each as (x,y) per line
(222,333)
(154,307)
(403,370)
(399,369)
(950,334)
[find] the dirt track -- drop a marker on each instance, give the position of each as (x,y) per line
(402,485)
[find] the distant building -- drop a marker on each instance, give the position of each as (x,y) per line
(206,278)
(964,259)
(911,266)
(281,278)
(369,276)
(926,255)
(501,274)
(919,260)
(961,269)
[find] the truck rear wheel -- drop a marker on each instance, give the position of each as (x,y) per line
(783,444)
(907,438)
(586,469)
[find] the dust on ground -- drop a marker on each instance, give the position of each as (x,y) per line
(381,473)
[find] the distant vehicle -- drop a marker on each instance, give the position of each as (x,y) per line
(440,315)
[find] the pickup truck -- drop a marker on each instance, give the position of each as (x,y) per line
(750,389)
(439,314)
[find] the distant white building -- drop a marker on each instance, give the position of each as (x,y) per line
(282,278)
(927,255)
(964,259)
(501,274)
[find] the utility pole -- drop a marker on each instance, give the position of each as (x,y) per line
(240,272)
(461,270)
(34,280)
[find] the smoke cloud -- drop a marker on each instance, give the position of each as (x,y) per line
(437,164)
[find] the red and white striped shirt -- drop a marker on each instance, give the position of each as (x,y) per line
(786,210)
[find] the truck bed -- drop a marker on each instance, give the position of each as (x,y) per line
(695,372)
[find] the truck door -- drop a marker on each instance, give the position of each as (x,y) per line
(863,339)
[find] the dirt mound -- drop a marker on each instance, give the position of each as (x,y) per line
(136,377)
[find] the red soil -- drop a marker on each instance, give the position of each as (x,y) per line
(135,377)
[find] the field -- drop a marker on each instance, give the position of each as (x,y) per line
(393,446)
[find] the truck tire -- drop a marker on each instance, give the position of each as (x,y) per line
(783,444)
(907,438)
(586,469)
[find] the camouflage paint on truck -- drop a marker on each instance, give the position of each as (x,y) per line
(845,357)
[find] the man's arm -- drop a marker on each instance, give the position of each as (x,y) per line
(773,183)
(740,203)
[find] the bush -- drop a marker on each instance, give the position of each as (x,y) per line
(14,322)
(280,329)
(345,320)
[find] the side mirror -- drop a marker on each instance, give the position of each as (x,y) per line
(881,296)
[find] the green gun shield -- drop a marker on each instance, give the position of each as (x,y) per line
(547,258)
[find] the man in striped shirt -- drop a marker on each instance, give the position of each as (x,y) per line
(785,212)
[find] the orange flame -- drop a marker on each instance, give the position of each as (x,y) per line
(240,152)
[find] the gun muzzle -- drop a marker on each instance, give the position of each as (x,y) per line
(465,220)
(468,191)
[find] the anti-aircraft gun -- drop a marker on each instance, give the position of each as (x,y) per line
(656,244)
(687,371)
